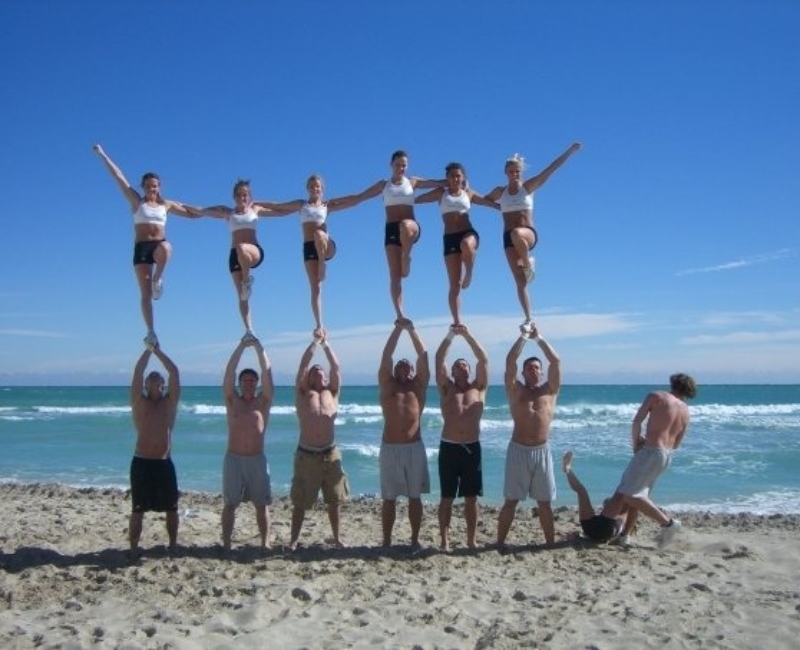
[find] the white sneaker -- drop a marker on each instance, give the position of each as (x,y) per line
(247,288)
(158,288)
(626,541)
(526,328)
(151,341)
(669,531)
(529,271)
(249,336)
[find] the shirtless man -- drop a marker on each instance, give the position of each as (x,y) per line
(403,462)
(667,418)
(154,485)
(462,402)
(245,473)
(529,462)
(317,462)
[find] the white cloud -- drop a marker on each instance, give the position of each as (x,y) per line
(742,338)
(747,261)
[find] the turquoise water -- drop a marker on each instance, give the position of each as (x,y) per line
(742,451)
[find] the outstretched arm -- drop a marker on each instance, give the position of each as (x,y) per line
(136,379)
(182,210)
(116,173)
(429,197)
(385,370)
(426,183)
(229,382)
(335,374)
(482,367)
(215,211)
(554,361)
(265,209)
(541,178)
(479,199)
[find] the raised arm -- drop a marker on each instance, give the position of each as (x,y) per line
(512,359)
(335,373)
(541,178)
(267,384)
(229,381)
(116,173)
(423,367)
(174,377)
(554,361)
(137,379)
(482,367)
(305,363)
(442,379)
(385,370)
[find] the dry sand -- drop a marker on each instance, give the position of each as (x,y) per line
(66,581)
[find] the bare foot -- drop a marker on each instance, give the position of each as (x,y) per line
(566,462)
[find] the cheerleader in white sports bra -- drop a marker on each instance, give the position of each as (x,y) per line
(318,246)
(519,234)
(402,230)
(151,250)
(245,254)
(460,239)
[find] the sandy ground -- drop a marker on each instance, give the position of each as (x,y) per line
(66,581)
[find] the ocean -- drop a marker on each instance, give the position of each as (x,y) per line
(741,453)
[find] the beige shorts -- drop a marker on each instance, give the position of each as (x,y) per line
(318,470)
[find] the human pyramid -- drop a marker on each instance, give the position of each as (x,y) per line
(402,385)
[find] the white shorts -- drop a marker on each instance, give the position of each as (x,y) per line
(404,470)
(645,467)
(246,478)
(529,472)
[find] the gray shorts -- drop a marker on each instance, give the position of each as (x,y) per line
(644,469)
(246,478)
(529,472)
(404,470)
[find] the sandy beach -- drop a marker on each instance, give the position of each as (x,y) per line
(728,581)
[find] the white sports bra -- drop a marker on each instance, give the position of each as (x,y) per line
(246,221)
(313,213)
(516,202)
(455,202)
(148,214)
(402,194)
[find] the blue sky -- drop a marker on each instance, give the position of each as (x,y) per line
(669,243)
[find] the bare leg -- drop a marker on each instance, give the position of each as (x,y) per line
(312,270)
(504,521)
(298,515)
(144,278)
(135,530)
(650,509)
(631,518)
(333,517)
(585,508)
(415,519)
(228,519)
(519,281)
(524,240)
(161,255)
(244,305)
(471,517)
(409,231)
(452,263)
(263,521)
(172,528)
(469,250)
(393,254)
(546,522)
(388,515)
(445,513)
